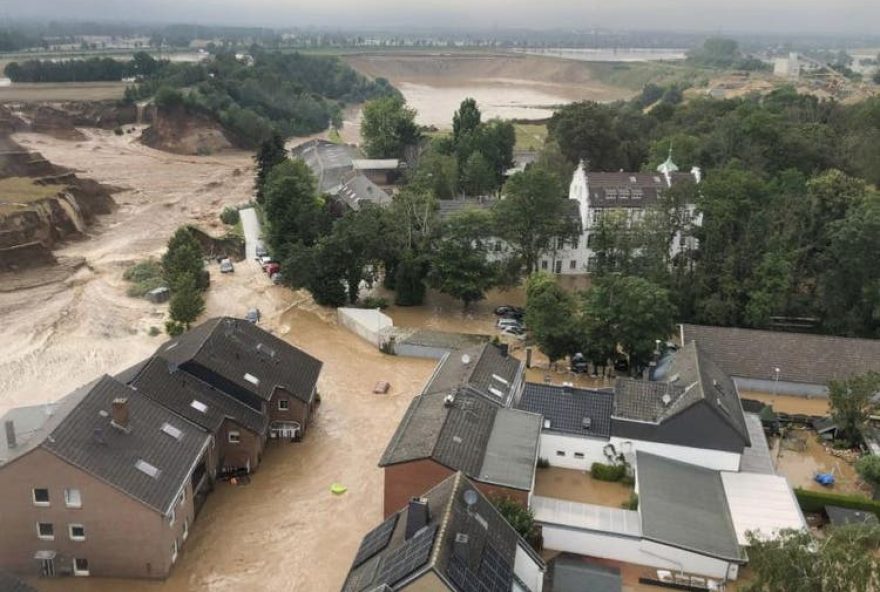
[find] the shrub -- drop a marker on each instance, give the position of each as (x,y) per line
(373,302)
(144,276)
(632,503)
(815,501)
(173,328)
(603,472)
(153,331)
(230,216)
(868,468)
(118,131)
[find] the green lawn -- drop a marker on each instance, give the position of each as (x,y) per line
(530,136)
(635,75)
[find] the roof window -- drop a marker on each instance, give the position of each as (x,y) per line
(252,379)
(199,406)
(146,468)
(172,431)
(496,392)
(501,380)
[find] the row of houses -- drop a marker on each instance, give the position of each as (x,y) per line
(701,465)
(107,480)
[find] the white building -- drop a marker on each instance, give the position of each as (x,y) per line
(628,195)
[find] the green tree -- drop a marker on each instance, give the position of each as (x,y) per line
(868,468)
(294,212)
(466,120)
(518,516)
(551,315)
(183,260)
(851,404)
(436,172)
(388,128)
(187,302)
(843,560)
(533,215)
(459,265)
(270,153)
(629,312)
(477,178)
(410,281)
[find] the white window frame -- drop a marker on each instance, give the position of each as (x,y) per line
(286,404)
(46,537)
(233,437)
(73,537)
(67,498)
(40,503)
(182,497)
(80,572)
(174,550)
(185,532)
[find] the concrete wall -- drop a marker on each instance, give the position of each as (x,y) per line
(124,538)
(634,550)
(366,323)
(528,570)
(711,459)
(591,448)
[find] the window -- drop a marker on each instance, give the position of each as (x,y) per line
(283,404)
(560,243)
(174,551)
(498,246)
(172,517)
(172,431)
(182,498)
(80,567)
(572,264)
(579,455)
(575,242)
(41,497)
(560,453)
(45,531)
(234,437)
(252,379)
(199,406)
(185,528)
(543,265)
(77,532)
(72,498)
(146,468)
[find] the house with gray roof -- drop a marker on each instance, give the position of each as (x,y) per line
(487,370)
(251,365)
(459,430)
(781,362)
(103,482)
(450,537)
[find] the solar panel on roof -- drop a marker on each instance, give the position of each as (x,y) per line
(375,540)
(494,573)
(408,557)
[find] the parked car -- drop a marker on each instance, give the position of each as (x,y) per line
(261,251)
(517,332)
(621,365)
(276,278)
(502,323)
(226,266)
(579,364)
(253,315)
(264,260)
(271,268)
(506,309)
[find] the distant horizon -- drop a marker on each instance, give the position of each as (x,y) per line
(749,17)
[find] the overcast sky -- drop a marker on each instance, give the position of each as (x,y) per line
(788,16)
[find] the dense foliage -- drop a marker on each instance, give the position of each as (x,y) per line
(183,271)
(851,404)
(388,128)
(88,70)
(790,215)
(721,53)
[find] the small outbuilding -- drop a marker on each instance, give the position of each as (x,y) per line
(838,516)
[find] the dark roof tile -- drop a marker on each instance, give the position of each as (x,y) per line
(566,408)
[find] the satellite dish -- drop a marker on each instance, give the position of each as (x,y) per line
(470,497)
(465,359)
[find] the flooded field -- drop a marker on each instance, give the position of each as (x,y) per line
(790,404)
(504,85)
(579,486)
(67,91)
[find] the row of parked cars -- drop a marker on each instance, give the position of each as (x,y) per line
(510,321)
(269,265)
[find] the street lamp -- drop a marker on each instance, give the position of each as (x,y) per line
(776,381)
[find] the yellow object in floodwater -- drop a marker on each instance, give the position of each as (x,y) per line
(338,489)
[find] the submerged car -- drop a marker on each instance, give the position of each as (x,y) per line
(226,266)
(253,315)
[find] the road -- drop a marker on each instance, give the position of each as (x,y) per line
(250,224)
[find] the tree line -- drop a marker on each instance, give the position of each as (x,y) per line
(87,70)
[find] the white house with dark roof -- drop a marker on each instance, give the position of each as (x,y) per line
(625,194)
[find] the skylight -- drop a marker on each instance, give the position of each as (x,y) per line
(496,392)
(199,406)
(146,468)
(171,431)
(252,379)
(501,380)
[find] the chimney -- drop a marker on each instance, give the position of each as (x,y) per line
(119,413)
(504,348)
(10,433)
(416,516)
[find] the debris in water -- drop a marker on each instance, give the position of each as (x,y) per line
(381,387)
(338,489)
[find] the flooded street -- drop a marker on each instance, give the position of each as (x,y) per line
(579,486)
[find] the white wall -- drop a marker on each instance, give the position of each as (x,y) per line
(711,459)
(365,322)
(636,551)
(592,449)
(528,570)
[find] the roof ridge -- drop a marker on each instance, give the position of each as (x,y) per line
(444,524)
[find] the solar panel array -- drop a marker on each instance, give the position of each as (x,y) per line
(376,540)
(494,574)
(407,558)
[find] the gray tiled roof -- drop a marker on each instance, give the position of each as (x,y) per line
(86,439)
(756,458)
(800,357)
(566,407)
(10,583)
(685,505)
(357,190)
(176,390)
(467,435)
(621,190)
(328,161)
(485,563)
(448,208)
(692,379)
(233,348)
(476,368)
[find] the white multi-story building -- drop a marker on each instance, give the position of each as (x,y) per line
(628,195)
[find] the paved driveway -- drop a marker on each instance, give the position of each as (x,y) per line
(250,224)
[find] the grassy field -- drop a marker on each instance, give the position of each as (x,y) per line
(530,136)
(17,192)
(68,91)
(635,75)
